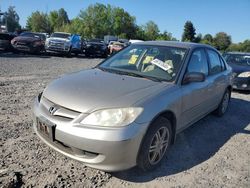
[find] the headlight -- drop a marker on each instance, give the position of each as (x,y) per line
(112,117)
(244,75)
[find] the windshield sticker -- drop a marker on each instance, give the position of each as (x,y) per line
(148,59)
(133,59)
(161,64)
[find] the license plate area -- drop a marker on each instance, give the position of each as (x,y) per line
(46,128)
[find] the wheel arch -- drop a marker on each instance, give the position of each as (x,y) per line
(165,114)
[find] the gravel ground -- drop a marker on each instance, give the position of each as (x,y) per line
(215,152)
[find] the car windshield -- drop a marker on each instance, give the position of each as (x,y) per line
(61,35)
(42,36)
(34,35)
(159,63)
(240,59)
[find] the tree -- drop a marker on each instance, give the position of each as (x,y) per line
(62,17)
(165,36)
(189,32)
(38,22)
(53,17)
(240,47)
(58,19)
(99,20)
(151,30)
(198,38)
(222,41)
(207,39)
(140,33)
(123,24)
(75,26)
(11,19)
(96,20)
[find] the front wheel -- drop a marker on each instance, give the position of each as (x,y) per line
(69,53)
(222,108)
(155,144)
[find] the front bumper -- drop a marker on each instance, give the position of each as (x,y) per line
(241,83)
(108,149)
(27,48)
(56,49)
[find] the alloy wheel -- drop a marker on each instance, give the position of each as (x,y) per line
(158,145)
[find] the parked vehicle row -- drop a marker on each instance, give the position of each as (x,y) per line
(61,43)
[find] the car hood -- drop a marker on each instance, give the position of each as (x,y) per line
(26,39)
(93,89)
(239,68)
(58,39)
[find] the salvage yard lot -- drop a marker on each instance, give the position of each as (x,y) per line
(215,152)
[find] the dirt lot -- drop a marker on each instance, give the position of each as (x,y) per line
(215,152)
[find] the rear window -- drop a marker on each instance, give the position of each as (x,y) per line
(240,59)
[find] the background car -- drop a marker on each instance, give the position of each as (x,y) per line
(240,63)
(64,43)
(116,47)
(95,47)
(5,41)
(109,38)
(29,42)
(128,110)
(76,44)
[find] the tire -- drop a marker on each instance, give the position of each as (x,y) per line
(15,51)
(104,56)
(87,55)
(222,108)
(69,53)
(148,160)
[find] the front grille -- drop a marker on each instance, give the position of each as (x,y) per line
(54,44)
(22,43)
(59,111)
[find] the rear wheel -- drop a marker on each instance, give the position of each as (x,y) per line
(222,108)
(155,144)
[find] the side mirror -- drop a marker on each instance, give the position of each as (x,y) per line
(193,77)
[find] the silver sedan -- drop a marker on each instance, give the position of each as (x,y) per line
(128,110)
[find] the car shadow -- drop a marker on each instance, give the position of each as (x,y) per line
(197,143)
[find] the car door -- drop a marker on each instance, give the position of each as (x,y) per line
(217,77)
(195,95)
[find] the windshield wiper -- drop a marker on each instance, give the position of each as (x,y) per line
(131,74)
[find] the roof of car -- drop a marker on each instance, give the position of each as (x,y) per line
(63,33)
(239,53)
(174,44)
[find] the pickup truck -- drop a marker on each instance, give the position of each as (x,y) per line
(64,43)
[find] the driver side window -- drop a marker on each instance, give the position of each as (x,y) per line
(198,62)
